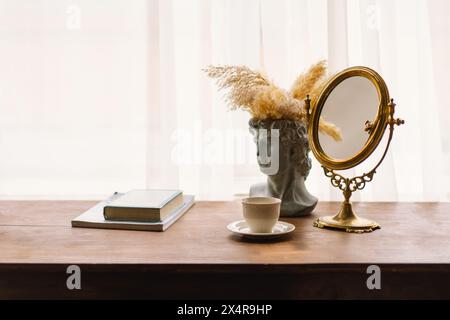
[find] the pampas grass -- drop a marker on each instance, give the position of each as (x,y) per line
(330,129)
(307,81)
(243,84)
(253,92)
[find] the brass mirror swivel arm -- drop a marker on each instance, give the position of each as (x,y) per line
(346,219)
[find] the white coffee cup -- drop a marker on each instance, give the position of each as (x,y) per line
(261,213)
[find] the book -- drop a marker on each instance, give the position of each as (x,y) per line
(93,218)
(143,205)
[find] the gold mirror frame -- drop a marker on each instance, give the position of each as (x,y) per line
(346,219)
(376,133)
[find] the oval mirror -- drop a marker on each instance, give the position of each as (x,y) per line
(354,100)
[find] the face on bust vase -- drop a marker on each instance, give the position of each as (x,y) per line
(279,157)
(272,152)
(288,153)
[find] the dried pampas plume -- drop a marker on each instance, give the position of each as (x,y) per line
(306,82)
(242,82)
(252,91)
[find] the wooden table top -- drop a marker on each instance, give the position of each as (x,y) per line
(39,232)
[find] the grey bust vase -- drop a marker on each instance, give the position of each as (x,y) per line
(287,172)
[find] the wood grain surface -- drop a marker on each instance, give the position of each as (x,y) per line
(37,243)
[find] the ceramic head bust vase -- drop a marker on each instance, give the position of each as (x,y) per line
(286,171)
(281,113)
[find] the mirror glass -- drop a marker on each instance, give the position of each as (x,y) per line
(352,103)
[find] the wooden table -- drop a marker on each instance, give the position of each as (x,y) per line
(198,258)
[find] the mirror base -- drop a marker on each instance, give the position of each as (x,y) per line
(347,220)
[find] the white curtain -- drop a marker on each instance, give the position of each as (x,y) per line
(103,96)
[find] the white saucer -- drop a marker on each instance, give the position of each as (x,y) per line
(241,228)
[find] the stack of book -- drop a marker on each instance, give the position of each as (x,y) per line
(149,210)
